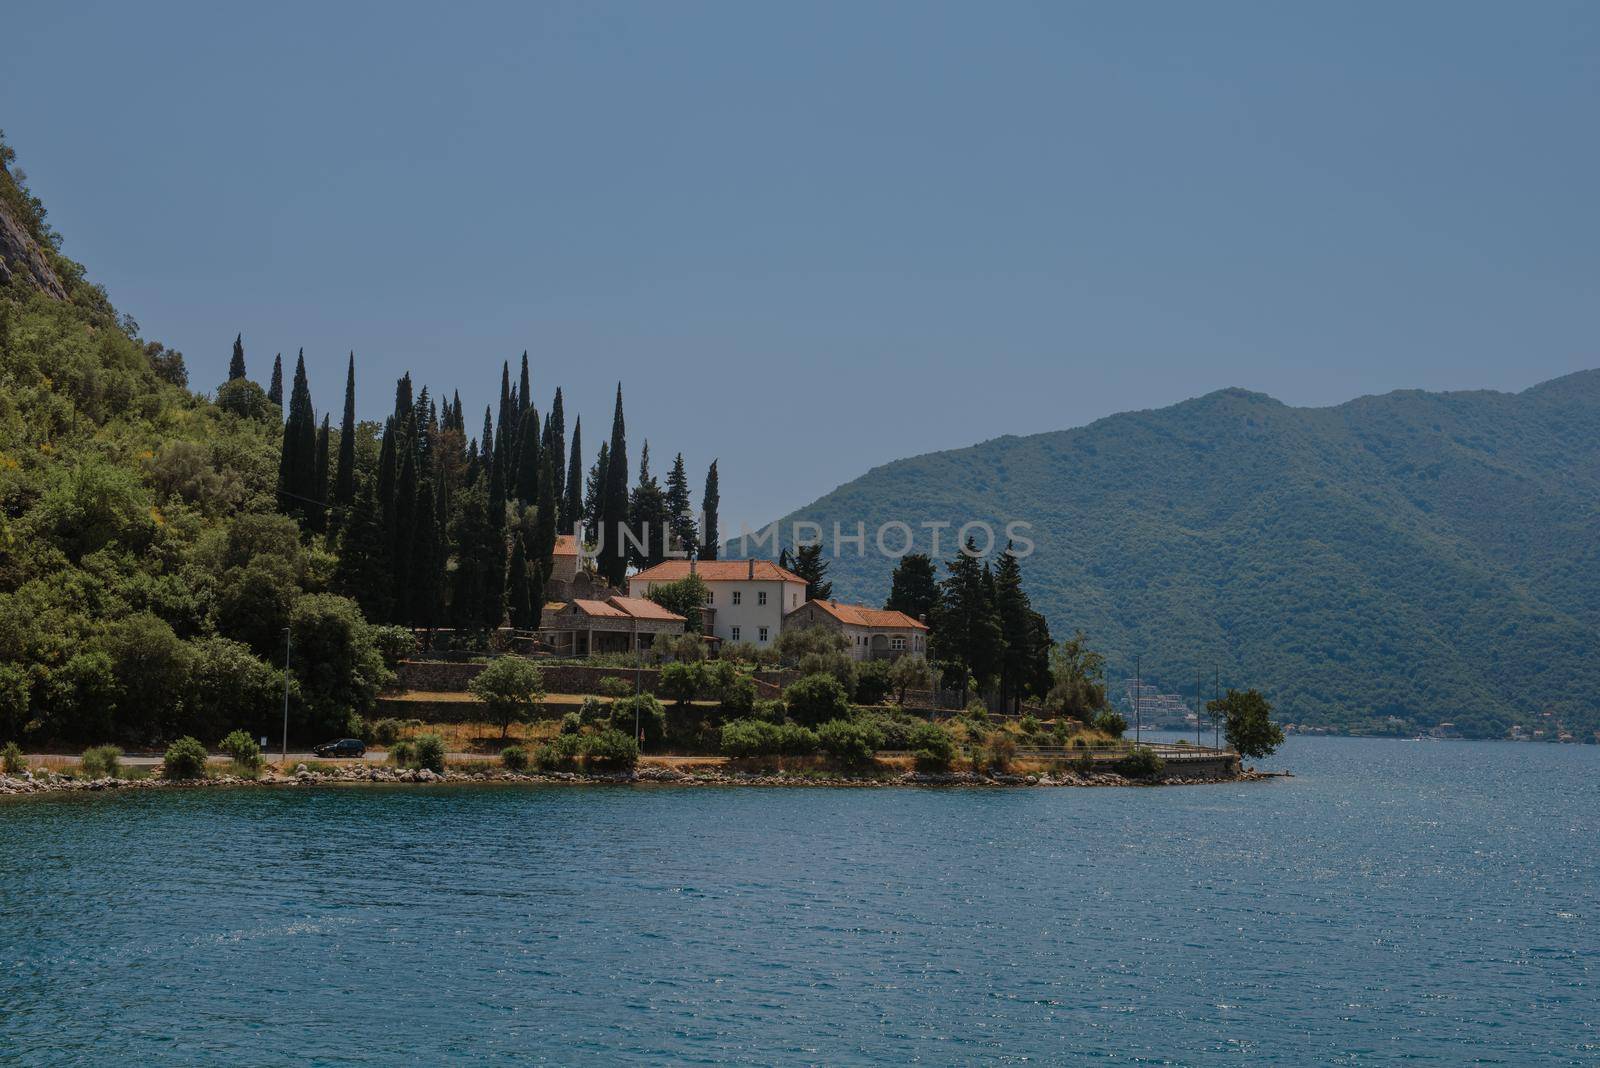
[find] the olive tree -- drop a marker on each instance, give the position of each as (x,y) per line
(511,689)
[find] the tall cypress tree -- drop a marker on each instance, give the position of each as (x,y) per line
(572,504)
(967,629)
(405,529)
(528,459)
(319,481)
(1015,617)
(344,482)
(594,492)
(425,599)
(507,420)
(297,464)
(473,537)
(525,390)
(647,515)
(518,603)
(486,443)
(363,572)
(613,561)
(555,429)
(545,522)
(680,515)
(236,365)
(275,390)
(710,501)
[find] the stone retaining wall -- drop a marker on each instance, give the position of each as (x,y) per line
(435,676)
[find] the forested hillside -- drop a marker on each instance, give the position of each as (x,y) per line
(1422,556)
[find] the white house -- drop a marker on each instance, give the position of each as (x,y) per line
(749,597)
(874,633)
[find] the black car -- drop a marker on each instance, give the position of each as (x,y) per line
(344,747)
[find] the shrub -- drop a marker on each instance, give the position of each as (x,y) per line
(849,741)
(738,696)
(614,686)
(873,682)
(932,747)
(394,643)
(999,750)
(101,761)
(1111,723)
(977,711)
(243,750)
(895,726)
(1031,725)
(572,722)
(514,757)
(770,710)
(1142,762)
(610,749)
(429,753)
(386,731)
(560,753)
(681,682)
(817,699)
(650,714)
(185,759)
(748,737)
(402,753)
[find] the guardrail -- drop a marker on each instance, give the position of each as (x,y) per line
(1109,751)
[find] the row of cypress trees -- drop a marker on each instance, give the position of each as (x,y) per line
(441,528)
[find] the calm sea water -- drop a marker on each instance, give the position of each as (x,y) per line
(1433,902)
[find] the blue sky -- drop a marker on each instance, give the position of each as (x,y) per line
(814,238)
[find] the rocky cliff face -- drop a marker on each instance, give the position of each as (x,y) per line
(21,255)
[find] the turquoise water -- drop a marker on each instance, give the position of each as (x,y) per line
(1433,902)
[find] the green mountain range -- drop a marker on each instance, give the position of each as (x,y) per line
(1388,564)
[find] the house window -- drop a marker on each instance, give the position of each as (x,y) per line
(733,633)
(711,597)
(736,596)
(761,597)
(762,634)
(897,644)
(794,599)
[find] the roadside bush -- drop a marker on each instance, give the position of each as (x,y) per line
(738,695)
(652,718)
(185,759)
(560,753)
(817,699)
(402,753)
(770,710)
(610,750)
(932,747)
(593,712)
(1031,725)
(243,750)
(429,753)
(896,727)
(873,682)
(1111,723)
(514,757)
(385,732)
(11,759)
(614,686)
(998,751)
(850,742)
(977,711)
(572,723)
(1140,763)
(754,737)
(101,761)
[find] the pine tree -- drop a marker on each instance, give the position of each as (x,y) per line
(363,572)
(344,482)
(680,515)
(647,516)
(914,588)
(807,562)
(275,391)
(967,630)
(594,493)
(528,459)
(236,365)
(572,504)
(710,501)
(319,483)
(1015,617)
(613,557)
(297,464)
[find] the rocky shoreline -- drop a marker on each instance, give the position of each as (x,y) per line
(649,774)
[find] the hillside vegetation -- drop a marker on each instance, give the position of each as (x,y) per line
(1384,565)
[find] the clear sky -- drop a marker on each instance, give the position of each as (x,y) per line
(811,238)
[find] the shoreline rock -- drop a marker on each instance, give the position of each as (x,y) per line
(647,775)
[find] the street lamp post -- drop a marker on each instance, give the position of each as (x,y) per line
(284,758)
(1138,698)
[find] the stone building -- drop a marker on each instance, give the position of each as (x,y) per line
(874,633)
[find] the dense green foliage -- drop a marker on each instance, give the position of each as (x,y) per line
(1248,726)
(511,690)
(1420,556)
(185,759)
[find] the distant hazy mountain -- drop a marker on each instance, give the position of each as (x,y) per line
(1427,556)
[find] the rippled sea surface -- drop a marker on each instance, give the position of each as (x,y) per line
(1432,902)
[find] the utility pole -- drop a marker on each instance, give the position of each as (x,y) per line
(284,759)
(1138,698)
(1199,697)
(1216,695)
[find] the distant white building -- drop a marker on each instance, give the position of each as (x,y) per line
(874,633)
(748,598)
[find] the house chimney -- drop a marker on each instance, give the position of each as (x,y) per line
(750,572)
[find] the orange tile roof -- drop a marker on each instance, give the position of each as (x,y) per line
(859,615)
(643,608)
(717,571)
(566,545)
(598,608)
